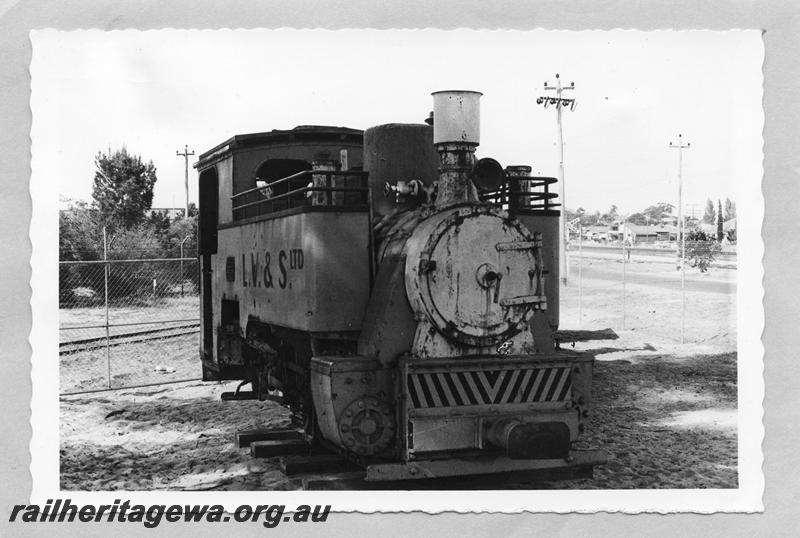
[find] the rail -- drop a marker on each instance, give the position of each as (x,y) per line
(331,188)
(98,342)
(526,193)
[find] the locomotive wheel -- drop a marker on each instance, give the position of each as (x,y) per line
(367,426)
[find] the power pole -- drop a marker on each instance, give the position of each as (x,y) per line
(681,243)
(560,103)
(185,156)
(693,210)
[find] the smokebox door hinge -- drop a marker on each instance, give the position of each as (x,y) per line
(426,266)
(518,245)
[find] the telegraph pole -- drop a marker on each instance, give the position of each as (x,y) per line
(185,156)
(560,103)
(681,242)
(693,209)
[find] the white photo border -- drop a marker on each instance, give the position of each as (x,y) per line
(44,445)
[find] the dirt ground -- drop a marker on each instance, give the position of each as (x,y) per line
(166,359)
(160,360)
(664,413)
(88,322)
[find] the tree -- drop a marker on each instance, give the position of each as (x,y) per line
(182,230)
(80,233)
(123,187)
(720,234)
(185,231)
(133,282)
(640,219)
(158,221)
(135,242)
(701,249)
(658,211)
(80,238)
(611,216)
(708,216)
(571,215)
(730,209)
(586,219)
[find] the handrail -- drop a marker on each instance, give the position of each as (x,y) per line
(301,190)
(262,198)
(327,173)
(511,193)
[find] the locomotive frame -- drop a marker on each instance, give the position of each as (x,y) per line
(396,293)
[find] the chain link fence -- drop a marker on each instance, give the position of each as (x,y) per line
(128,322)
(132,322)
(647,291)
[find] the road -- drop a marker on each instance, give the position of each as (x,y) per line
(615,250)
(659,275)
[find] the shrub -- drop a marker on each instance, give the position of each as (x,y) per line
(701,249)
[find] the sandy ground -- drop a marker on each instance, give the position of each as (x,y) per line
(88,322)
(653,310)
(664,413)
(174,436)
(154,361)
(666,418)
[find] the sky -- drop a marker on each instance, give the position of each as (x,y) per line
(158,90)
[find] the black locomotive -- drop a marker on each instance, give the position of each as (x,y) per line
(398,294)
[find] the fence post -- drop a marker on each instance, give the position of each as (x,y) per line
(683,286)
(580,275)
(181,276)
(623,278)
(182,242)
(105,288)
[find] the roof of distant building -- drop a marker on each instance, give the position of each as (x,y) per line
(640,229)
(597,228)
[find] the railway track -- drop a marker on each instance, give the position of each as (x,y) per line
(313,467)
(129,337)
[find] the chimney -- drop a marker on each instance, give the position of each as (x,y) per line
(456,134)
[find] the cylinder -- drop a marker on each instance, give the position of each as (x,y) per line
(398,152)
(456,117)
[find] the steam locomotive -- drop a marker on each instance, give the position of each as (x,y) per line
(396,293)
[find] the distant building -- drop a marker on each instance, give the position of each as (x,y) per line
(597,233)
(637,234)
